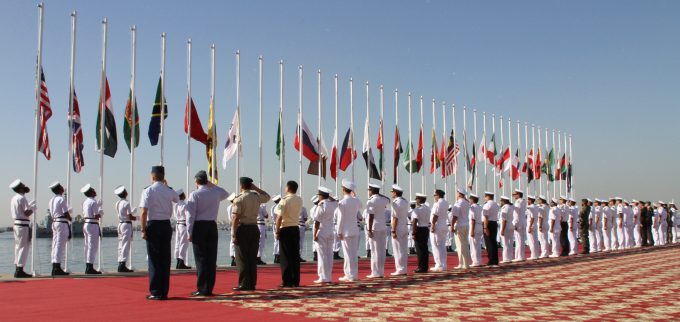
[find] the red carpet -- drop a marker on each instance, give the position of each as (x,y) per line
(636,285)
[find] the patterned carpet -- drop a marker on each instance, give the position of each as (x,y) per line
(634,285)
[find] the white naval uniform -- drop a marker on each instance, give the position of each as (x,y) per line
(262,215)
(91,231)
(555,215)
(636,227)
(476,234)
(61,228)
(663,226)
(460,211)
(275,248)
(519,221)
(302,225)
(544,229)
(410,240)
(181,232)
(628,227)
(599,213)
(337,245)
(573,229)
(655,226)
(593,227)
(606,229)
(438,237)
(620,227)
(312,218)
(532,230)
(22,235)
(400,211)
(676,222)
(324,214)
(506,239)
(232,247)
(376,206)
(123,210)
(348,232)
(388,225)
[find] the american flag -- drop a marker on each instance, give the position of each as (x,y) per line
(452,151)
(44,114)
(76,136)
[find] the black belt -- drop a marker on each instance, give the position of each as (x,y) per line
(62,221)
(92,222)
(126,222)
(261,223)
(21,225)
(247,225)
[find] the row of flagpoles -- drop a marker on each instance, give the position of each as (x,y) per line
(541,176)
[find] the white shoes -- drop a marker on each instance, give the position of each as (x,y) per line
(436,269)
(398,274)
(320,281)
(346,279)
(373,276)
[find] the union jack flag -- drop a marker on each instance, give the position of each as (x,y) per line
(76,136)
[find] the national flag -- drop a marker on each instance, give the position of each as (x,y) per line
(280,143)
(76,136)
(211,144)
(128,124)
(537,164)
(334,157)
(561,171)
(490,151)
(155,122)
(368,156)
(313,168)
(471,166)
(232,144)
(503,158)
(515,166)
(548,165)
(569,177)
(442,155)
(197,132)
(43,115)
(110,144)
(347,153)
(434,155)
(309,147)
(419,156)
(452,151)
(528,166)
(397,153)
(381,151)
(410,163)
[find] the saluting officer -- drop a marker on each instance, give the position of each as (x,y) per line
(61,227)
(377,230)
(323,234)
(125,217)
(420,222)
(181,232)
(21,210)
(156,211)
(399,210)
(92,213)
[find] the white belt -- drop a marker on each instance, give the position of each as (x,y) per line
(21,222)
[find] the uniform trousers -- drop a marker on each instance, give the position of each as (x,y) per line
(367,241)
(337,245)
(247,239)
(400,250)
(22,243)
(650,233)
(276,242)
(449,238)
(420,243)
(324,251)
(614,243)
(350,248)
(662,234)
(636,235)
(411,241)
(204,241)
(655,234)
(378,252)
(520,242)
(124,241)
(675,233)
(462,238)
(289,243)
(438,240)
(60,236)
(600,238)
(564,238)
(556,246)
(92,237)
(158,239)
(594,241)
(573,241)
(545,243)
(628,236)
(606,238)
(508,248)
(491,244)
(476,247)
(532,239)
(263,239)
(620,236)
(181,242)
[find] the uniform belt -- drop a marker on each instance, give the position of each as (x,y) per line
(93,222)
(126,222)
(260,223)
(21,225)
(21,221)
(181,221)
(62,221)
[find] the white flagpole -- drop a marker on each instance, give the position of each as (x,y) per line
(435,156)
(189,112)
(300,144)
(382,134)
(410,150)
(69,160)
(540,181)
(474,147)
(535,157)
(396,122)
(213,161)
(41,14)
(548,170)
(465,143)
(559,160)
(101,132)
(512,184)
(163,97)
(446,176)
(493,129)
(455,171)
(501,170)
(133,134)
(571,161)
(337,148)
(351,121)
(422,153)
(260,61)
(566,164)
(519,158)
(238,112)
(368,139)
(486,147)
(551,170)
(526,149)
(283,154)
(318,114)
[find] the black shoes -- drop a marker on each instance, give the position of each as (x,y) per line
(336,256)
(199,293)
(233,261)
(316,257)
(181,265)
(420,271)
(368,253)
(156,298)
(19,273)
(260,262)
(277,259)
(411,251)
(89,269)
(387,253)
(241,288)
(57,271)
(287,286)
(123,269)
(302,260)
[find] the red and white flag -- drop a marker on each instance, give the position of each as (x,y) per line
(43,115)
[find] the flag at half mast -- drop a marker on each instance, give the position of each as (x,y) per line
(211,144)
(155,122)
(110,144)
(128,124)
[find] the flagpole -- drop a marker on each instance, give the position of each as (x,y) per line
(318,114)
(535,157)
(382,137)
(133,125)
(434,148)
(101,130)
(422,153)
(410,150)
(566,164)
(300,144)
(474,147)
(571,162)
(69,161)
(260,61)
(41,15)
(335,83)
(486,147)
(446,152)
(465,144)
(351,121)
(213,163)
(559,160)
(526,148)
(455,171)
(539,166)
(547,177)
(493,129)
(501,170)
(368,138)
(282,154)
(395,160)
(189,112)
(512,184)
(554,179)
(162,116)
(238,113)
(519,141)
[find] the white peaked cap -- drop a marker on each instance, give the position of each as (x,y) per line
(490,193)
(54,184)
(86,188)
(15,184)
(119,190)
(348,184)
(461,191)
(505,198)
(596,200)
(179,191)
(374,186)
(420,195)
(231,197)
(275,199)
(554,200)
(397,188)
(661,202)
(519,191)
(531,197)
(474,195)
(325,190)
(542,197)
(315,199)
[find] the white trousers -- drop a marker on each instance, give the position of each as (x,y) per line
(606,239)
(674,231)
(411,242)
(614,244)
(621,237)
(449,237)
(337,245)
(263,239)
(60,232)
(655,235)
(476,248)
(181,242)
(662,234)
(600,239)
(508,248)
(324,251)
(520,242)
(400,250)
(593,240)
(462,238)
(377,244)
(545,243)
(124,239)
(556,246)
(438,241)
(275,248)
(350,248)
(628,236)
(573,241)
(532,239)
(636,235)
(91,233)
(22,244)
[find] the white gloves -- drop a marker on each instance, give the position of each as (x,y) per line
(134,211)
(31,204)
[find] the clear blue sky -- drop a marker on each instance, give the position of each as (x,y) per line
(607,72)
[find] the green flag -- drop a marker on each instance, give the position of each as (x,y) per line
(280,143)
(411,164)
(548,165)
(127,125)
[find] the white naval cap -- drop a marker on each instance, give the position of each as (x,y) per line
(348,184)
(315,198)
(542,197)
(489,193)
(531,197)
(505,198)
(86,188)
(596,200)
(397,188)
(635,201)
(572,200)
(420,195)
(231,197)
(15,184)
(373,186)
(461,191)
(324,190)
(661,202)
(563,198)
(120,190)
(179,191)
(275,199)
(519,191)
(472,195)
(54,184)
(618,198)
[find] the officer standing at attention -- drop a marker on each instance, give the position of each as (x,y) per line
(507,229)
(564,226)
(399,229)
(203,207)
(302,230)
(61,227)
(519,221)
(585,226)
(312,215)
(245,234)
(555,229)
(376,228)
(573,226)
(288,213)
(275,247)
(420,222)
(92,213)
(460,227)
(21,210)
(476,233)
(262,216)
(543,226)
(156,211)
(125,217)
(348,231)
(181,232)
(490,215)
(532,227)
(323,234)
